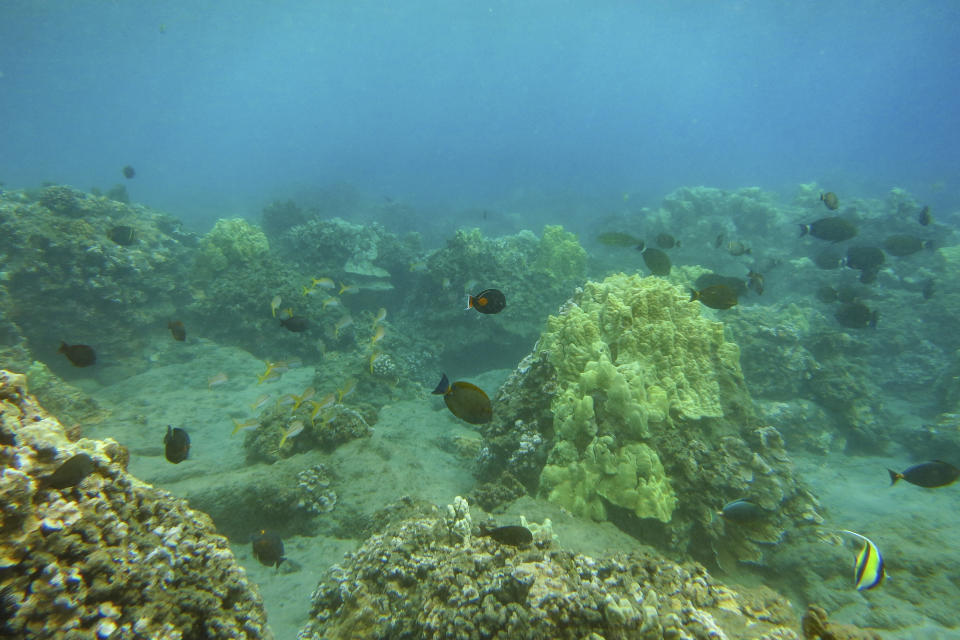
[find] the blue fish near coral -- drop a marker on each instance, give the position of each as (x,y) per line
(868,569)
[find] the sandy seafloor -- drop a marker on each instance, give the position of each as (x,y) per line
(914,527)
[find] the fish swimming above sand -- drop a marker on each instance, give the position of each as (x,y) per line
(488,301)
(176,444)
(930,475)
(466,401)
(902,245)
(275,304)
(292,431)
(267,548)
(868,567)
(296,324)
(79,355)
(217,380)
(737,248)
(246,425)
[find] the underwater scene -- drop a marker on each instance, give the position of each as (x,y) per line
(546,320)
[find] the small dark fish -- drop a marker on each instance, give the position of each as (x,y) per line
(737,248)
(738,285)
(742,511)
(177,330)
(928,289)
(267,548)
(466,401)
(856,315)
(826,294)
(487,301)
(72,472)
(828,259)
(718,296)
(719,241)
(617,239)
(834,229)
(924,217)
(657,261)
(79,355)
(849,293)
(122,235)
(667,241)
(176,444)
(868,276)
(905,245)
(830,200)
(129,172)
(931,475)
(755,282)
(295,323)
(513,535)
(865,258)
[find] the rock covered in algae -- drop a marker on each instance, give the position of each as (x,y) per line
(108,556)
(416,579)
(644,419)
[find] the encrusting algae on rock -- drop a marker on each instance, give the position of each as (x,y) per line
(106,556)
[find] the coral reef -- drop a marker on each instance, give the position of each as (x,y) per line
(425,577)
(231,242)
(106,556)
(817,627)
(642,410)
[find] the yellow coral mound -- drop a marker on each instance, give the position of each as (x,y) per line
(631,354)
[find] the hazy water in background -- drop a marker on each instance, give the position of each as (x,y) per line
(223,106)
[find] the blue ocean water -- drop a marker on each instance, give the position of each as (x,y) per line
(221,107)
(503,116)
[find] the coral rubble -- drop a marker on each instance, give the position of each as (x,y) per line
(108,556)
(425,577)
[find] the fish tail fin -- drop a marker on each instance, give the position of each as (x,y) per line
(929,244)
(804,229)
(748,250)
(469,302)
(63,347)
(443,387)
(894,476)
(874,318)
(641,246)
(694,295)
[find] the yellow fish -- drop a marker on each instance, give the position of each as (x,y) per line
(260,402)
(381,315)
(323,283)
(342,323)
(292,431)
(217,380)
(307,291)
(275,304)
(376,355)
(246,425)
(331,301)
(347,288)
(378,334)
(347,389)
(325,402)
(308,393)
(270,374)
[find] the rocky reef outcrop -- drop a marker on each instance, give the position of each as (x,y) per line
(633,408)
(430,576)
(88,551)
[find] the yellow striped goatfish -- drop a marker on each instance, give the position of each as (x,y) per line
(868,571)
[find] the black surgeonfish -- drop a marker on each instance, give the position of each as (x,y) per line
(924,217)
(296,324)
(71,472)
(932,474)
(513,535)
(129,172)
(620,239)
(123,235)
(742,511)
(176,445)
(79,355)
(830,200)
(718,296)
(657,261)
(177,330)
(268,548)
(466,401)
(901,245)
(738,285)
(488,301)
(667,241)
(856,315)
(834,229)
(865,258)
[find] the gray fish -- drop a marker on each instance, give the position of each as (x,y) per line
(513,535)
(856,315)
(742,511)
(932,474)
(834,229)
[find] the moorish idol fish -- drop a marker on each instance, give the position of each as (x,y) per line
(868,571)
